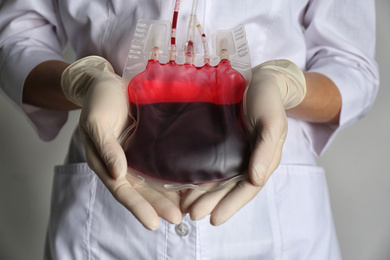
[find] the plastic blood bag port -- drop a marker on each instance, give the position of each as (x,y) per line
(189,123)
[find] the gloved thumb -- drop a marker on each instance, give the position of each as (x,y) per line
(103,149)
(266,155)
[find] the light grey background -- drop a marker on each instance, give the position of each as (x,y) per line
(357,166)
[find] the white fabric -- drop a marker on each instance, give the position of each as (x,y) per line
(282,222)
(291,217)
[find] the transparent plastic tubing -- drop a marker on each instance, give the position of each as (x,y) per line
(172,52)
(206,55)
(190,50)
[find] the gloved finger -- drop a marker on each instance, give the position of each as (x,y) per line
(242,193)
(165,204)
(173,196)
(204,204)
(267,151)
(125,194)
(101,138)
(276,160)
(120,188)
(189,197)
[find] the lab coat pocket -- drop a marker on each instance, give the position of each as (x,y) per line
(303,213)
(73,196)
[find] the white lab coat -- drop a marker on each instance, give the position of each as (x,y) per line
(291,217)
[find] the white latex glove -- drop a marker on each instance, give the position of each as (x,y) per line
(276,85)
(92,84)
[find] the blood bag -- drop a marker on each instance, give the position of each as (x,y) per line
(189,125)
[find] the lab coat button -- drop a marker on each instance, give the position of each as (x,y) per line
(182,229)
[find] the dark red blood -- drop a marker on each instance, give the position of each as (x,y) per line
(190,126)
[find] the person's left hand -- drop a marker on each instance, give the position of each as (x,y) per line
(275,86)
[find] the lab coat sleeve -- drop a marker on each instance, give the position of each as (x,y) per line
(340,38)
(30,33)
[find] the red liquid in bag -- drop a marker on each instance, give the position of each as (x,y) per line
(190,126)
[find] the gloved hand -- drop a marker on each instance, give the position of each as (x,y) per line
(276,86)
(92,84)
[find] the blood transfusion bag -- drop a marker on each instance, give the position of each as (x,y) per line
(189,125)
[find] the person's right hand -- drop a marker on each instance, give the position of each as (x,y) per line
(92,84)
